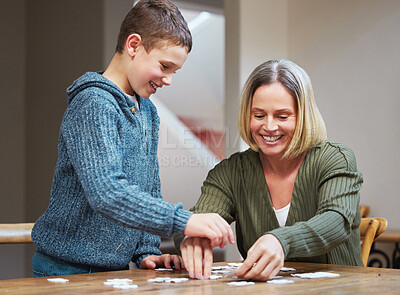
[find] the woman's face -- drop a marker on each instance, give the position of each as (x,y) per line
(272,119)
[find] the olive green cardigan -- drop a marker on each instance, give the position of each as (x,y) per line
(324,216)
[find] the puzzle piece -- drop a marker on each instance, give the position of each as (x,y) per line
(240,284)
(280,282)
(316,275)
(167,280)
(58,280)
(287,268)
(117,282)
(164,269)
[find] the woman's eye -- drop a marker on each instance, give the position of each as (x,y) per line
(283,117)
(164,66)
(258,116)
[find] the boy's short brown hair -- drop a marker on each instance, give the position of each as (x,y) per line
(155,21)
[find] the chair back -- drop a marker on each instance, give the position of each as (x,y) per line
(364,210)
(15,233)
(370,229)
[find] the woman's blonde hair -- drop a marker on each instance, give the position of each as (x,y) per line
(310,127)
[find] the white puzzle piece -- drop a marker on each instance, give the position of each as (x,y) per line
(316,275)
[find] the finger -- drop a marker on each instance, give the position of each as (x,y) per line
(228,230)
(248,263)
(262,265)
(167,261)
(231,235)
(224,232)
(269,272)
(183,254)
(198,259)
(177,261)
(208,258)
(150,264)
(215,236)
(189,259)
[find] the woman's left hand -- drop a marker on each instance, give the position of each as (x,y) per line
(267,253)
(165,260)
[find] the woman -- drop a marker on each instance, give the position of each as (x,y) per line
(294,195)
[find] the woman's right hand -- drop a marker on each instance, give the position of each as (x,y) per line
(194,251)
(211,226)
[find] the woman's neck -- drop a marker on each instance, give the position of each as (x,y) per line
(279,166)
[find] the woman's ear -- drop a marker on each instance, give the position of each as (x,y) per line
(132,44)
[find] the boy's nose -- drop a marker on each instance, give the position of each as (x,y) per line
(167,80)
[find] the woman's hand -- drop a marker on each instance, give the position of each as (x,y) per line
(194,252)
(267,253)
(211,226)
(165,260)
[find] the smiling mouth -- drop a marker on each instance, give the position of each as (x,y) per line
(154,85)
(271,138)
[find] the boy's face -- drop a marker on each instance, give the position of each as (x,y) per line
(154,69)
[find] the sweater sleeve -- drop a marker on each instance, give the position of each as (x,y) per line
(148,245)
(338,200)
(216,193)
(91,133)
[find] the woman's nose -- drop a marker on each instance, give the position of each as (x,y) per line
(270,124)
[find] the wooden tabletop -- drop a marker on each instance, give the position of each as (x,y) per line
(352,280)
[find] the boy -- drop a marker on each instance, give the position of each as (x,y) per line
(106,206)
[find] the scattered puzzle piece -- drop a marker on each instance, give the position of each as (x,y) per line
(280,282)
(287,268)
(240,284)
(221,271)
(316,275)
(58,280)
(235,265)
(164,269)
(167,280)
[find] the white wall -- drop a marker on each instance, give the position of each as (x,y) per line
(351,50)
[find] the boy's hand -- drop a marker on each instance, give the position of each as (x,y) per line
(267,253)
(211,226)
(194,252)
(165,260)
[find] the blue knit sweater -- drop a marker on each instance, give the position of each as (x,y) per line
(106,206)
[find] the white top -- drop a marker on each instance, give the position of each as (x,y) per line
(133,97)
(281,215)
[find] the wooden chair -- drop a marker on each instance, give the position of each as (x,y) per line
(370,229)
(364,210)
(15,233)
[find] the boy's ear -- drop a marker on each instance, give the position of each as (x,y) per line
(132,44)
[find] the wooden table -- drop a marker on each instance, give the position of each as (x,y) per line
(352,280)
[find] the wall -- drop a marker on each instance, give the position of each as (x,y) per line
(351,51)
(12,127)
